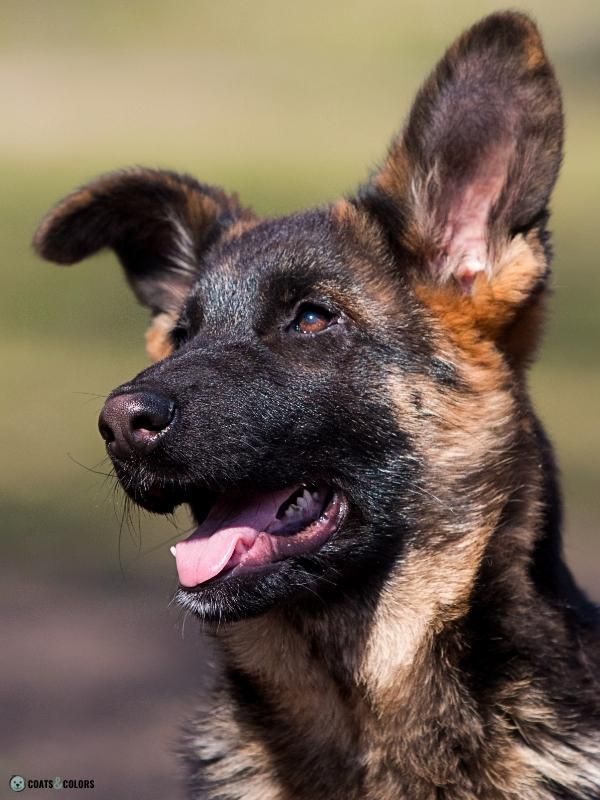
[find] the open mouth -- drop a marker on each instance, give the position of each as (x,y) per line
(244,534)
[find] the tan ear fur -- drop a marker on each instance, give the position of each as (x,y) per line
(158,342)
(493,306)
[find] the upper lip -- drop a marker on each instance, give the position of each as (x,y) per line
(162,495)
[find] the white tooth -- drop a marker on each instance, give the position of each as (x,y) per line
(172,549)
(315,496)
(307,497)
(301,502)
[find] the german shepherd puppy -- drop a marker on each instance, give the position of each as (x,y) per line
(340,396)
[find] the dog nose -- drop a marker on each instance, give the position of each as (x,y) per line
(133,423)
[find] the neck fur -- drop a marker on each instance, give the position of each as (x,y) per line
(446,671)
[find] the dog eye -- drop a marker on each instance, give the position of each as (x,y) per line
(313,319)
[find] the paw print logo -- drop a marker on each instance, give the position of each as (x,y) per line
(17,783)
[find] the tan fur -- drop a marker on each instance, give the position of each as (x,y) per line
(390,675)
(158,344)
(533,47)
(241,226)
(378,293)
(297,681)
(417,602)
(247,771)
(488,309)
(455,436)
(394,177)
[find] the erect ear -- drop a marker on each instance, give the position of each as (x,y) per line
(464,190)
(157,222)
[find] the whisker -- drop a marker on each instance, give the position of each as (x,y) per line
(93,394)
(94,471)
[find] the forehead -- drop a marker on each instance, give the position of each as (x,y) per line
(294,246)
(283,259)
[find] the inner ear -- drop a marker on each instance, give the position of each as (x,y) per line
(463,234)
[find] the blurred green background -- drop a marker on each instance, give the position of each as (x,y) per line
(289,104)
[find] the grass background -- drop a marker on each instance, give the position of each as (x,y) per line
(288,104)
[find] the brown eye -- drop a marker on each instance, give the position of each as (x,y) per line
(313,319)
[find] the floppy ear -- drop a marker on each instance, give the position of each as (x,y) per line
(464,190)
(158,223)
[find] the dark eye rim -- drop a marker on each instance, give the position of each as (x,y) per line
(178,334)
(333,316)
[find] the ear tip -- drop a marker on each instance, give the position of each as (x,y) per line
(63,235)
(42,241)
(45,244)
(515,21)
(510,30)
(511,17)
(54,244)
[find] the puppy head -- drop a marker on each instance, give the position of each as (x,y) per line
(339,389)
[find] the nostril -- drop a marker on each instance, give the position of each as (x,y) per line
(144,421)
(106,432)
(157,416)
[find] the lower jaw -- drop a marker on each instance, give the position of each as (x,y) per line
(230,599)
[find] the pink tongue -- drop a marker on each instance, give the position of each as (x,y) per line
(227,530)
